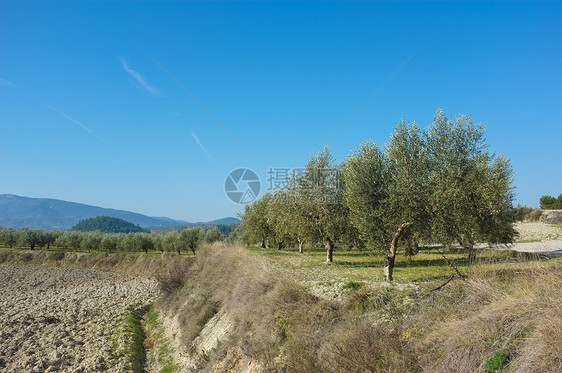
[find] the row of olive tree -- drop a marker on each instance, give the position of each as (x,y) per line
(438,185)
(187,239)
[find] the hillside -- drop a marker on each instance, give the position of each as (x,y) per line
(107,224)
(46,213)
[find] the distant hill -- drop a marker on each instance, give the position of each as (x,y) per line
(46,213)
(223,221)
(107,224)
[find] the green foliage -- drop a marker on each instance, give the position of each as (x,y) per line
(471,190)
(438,185)
(107,224)
(255,225)
(213,235)
(8,237)
(522,213)
(192,238)
(551,203)
(352,285)
(496,362)
(367,176)
(30,237)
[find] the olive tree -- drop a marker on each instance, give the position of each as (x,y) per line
(8,237)
(191,238)
(28,237)
(367,194)
(321,197)
(213,235)
(255,226)
(109,242)
(91,241)
(471,189)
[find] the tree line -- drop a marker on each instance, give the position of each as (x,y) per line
(187,239)
(438,185)
(551,203)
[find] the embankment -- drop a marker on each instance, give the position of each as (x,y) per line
(235,314)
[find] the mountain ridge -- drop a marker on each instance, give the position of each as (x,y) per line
(48,213)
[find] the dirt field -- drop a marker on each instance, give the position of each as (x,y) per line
(65,320)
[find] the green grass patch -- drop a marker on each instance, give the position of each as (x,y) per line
(356,266)
(160,350)
(496,362)
(134,339)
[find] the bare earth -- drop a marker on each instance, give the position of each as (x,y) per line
(547,239)
(536,231)
(64,320)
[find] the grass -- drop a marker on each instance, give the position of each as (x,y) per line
(160,350)
(150,264)
(496,362)
(365,266)
(507,302)
(134,339)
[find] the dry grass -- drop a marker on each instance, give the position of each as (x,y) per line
(136,263)
(512,310)
(275,321)
(509,306)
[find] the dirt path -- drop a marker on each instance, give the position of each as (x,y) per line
(65,320)
(552,248)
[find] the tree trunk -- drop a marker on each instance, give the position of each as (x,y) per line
(262,245)
(48,245)
(330,251)
(300,246)
(391,254)
(193,250)
(179,251)
(468,245)
(32,246)
(471,254)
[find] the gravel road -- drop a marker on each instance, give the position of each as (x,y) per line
(65,320)
(552,248)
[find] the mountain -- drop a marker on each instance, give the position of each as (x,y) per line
(223,221)
(46,213)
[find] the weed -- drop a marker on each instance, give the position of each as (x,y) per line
(135,337)
(157,344)
(496,362)
(352,285)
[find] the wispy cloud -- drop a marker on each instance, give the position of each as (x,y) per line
(190,95)
(140,79)
(4,82)
(200,145)
(64,115)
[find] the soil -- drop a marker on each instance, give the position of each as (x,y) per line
(65,320)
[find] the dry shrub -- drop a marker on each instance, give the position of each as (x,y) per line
(515,310)
(541,350)
(363,346)
(173,277)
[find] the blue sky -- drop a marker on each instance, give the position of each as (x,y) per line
(116,104)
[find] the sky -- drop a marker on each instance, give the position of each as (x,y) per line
(148,106)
